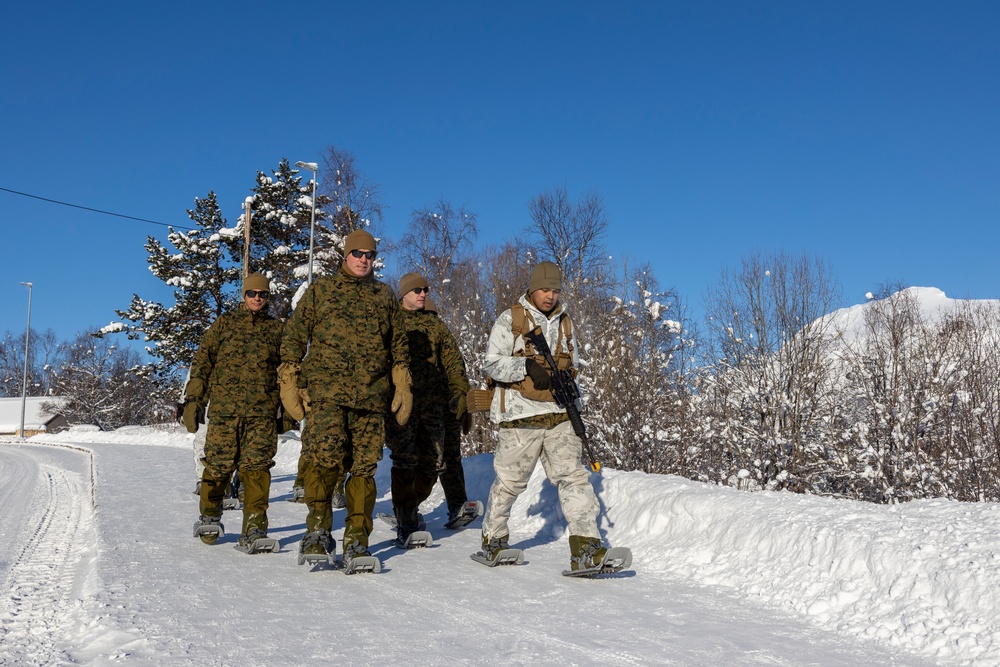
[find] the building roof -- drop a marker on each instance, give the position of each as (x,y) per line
(34,420)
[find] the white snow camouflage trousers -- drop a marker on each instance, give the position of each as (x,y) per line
(198,443)
(560,451)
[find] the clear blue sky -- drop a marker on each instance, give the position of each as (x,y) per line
(865,133)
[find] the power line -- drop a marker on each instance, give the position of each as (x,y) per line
(95,210)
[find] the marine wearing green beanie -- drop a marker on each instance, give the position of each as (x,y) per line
(545,275)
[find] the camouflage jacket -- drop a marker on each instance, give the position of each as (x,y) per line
(237,361)
(436,363)
(352,329)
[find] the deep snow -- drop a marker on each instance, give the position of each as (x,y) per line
(100,567)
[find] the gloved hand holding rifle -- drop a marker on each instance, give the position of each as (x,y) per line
(565,391)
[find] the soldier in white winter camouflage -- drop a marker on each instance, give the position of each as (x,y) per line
(532,426)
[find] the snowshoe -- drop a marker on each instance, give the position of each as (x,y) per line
(256,541)
(231,504)
(298,495)
(317,548)
(390,520)
(357,559)
(209,529)
(234,494)
(614,560)
(465,515)
(338,502)
(502,557)
(414,540)
(497,551)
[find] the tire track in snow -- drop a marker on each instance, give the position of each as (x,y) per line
(42,581)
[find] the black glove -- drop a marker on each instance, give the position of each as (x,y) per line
(458,406)
(539,376)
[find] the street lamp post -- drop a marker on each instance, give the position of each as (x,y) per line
(24,383)
(314,168)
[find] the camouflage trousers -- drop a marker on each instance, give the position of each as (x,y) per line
(339,440)
(560,451)
(453,477)
(247,444)
(420,443)
(300,472)
(417,452)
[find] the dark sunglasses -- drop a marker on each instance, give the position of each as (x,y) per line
(254,293)
(421,290)
(367,254)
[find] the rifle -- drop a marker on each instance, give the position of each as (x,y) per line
(566,391)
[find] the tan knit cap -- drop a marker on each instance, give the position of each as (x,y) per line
(545,275)
(359,239)
(410,282)
(256,281)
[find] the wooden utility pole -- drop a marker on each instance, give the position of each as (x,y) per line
(246,236)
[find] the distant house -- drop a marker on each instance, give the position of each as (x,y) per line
(34,421)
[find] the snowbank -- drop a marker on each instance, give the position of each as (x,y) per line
(920,576)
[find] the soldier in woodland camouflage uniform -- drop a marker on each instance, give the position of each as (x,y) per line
(343,354)
(532,426)
(453,477)
(236,364)
(439,391)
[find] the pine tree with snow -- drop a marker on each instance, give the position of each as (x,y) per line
(281,214)
(205,285)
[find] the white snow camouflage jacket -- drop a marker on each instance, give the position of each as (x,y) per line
(503,366)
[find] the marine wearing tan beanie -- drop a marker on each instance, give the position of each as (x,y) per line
(410,282)
(359,239)
(256,281)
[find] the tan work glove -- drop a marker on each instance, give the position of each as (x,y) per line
(193,410)
(402,401)
(288,388)
(194,414)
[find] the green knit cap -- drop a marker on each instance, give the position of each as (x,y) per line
(545,275)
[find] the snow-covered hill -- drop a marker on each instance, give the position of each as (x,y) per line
(720,576)
(930,305)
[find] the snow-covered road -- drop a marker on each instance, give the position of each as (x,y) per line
(47,546)
(128,584)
